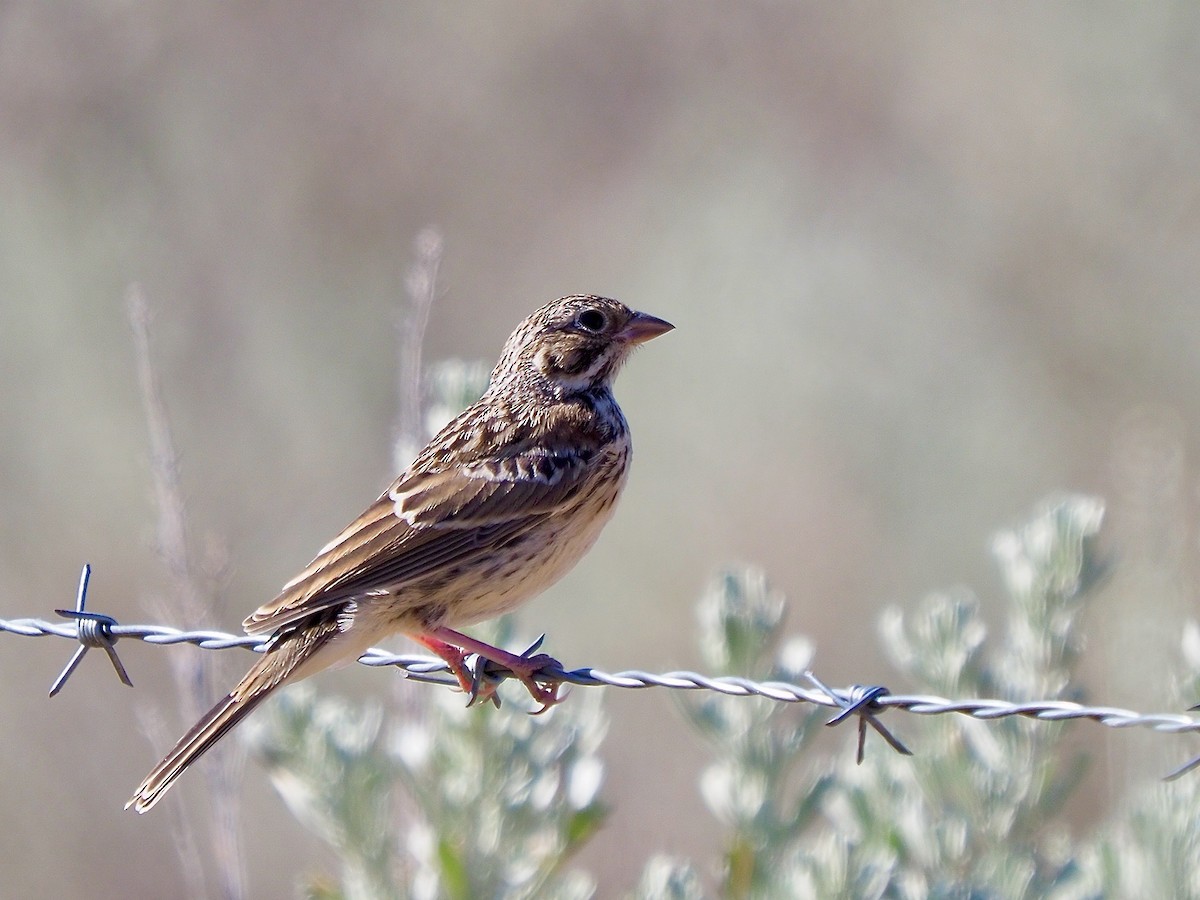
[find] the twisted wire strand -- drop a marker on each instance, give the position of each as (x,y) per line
(425,668)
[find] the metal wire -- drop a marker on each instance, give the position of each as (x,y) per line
(858,701)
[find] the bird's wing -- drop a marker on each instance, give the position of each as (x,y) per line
(432,521)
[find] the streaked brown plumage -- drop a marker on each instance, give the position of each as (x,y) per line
(499,506)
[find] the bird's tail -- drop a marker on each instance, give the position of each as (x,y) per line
(210,729)
(276,667)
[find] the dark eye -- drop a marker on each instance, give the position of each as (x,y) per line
(591,320)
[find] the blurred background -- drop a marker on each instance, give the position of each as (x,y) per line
(928,264)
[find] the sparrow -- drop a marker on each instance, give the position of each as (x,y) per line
(499,506)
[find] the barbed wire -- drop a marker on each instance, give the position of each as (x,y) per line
(865,703)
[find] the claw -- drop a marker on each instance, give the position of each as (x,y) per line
(525,668)
(479,683)
(547,696)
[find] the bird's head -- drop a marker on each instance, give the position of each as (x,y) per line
(575,344)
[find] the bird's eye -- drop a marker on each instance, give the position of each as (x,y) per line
(591,320)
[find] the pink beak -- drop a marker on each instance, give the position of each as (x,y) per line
(642,327)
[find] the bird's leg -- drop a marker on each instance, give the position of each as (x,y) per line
(522,667)
(472,683)
(454,658)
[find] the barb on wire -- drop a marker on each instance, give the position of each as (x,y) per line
(1184,769)
(98,630)
(91,630)
(861,701)
(1190,764)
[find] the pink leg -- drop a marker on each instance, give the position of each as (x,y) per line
(453,656)
(522,667)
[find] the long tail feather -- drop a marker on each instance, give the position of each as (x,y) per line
(295,656)
(210,729)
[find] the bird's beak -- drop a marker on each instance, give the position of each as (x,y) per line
(642,327)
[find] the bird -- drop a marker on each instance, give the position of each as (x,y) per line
(500,504)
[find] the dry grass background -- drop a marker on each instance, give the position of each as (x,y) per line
(928,262)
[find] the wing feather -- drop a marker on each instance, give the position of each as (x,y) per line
(428,523)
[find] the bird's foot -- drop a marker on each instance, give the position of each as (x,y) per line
(481,684)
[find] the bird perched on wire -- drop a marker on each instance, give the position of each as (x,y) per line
(499,506)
